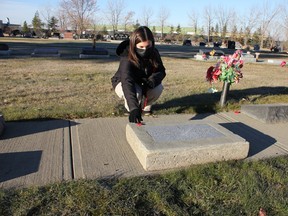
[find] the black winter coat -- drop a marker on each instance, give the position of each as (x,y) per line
(129,74)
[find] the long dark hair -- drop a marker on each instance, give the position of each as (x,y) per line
(141,34)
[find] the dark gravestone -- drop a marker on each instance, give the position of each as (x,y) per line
(2,124)
(4,47)
(267,113)
(4,50)
(94,52)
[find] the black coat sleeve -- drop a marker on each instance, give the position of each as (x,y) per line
(128,80)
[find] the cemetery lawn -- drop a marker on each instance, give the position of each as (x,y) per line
(47,88)
(224,188)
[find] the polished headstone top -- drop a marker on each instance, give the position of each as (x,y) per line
(184,132)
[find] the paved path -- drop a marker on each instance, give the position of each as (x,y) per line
(43,152)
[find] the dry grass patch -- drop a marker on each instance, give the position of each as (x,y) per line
(75,88)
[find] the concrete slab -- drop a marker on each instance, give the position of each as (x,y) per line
(100,149)
(44,152)
(35,153)
(267,113)
(266,140)
(164,146)
(246,57)
(46,52)
(5,52)
(275,61)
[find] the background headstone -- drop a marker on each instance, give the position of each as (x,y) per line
(2,124)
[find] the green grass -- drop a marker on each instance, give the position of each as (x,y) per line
(223,188)
(68,88)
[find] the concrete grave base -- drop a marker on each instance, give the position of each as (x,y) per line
(169,146)
(275,61)
(46,52)
(267,113)
(97,52)
(246,57)
(5,52)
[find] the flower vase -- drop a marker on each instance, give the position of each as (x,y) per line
(225,90)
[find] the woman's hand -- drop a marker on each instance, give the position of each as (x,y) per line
(135,116)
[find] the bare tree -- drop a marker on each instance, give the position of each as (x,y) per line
(128,20)
(115,9)
(163,16)
(249,23)
(147,14)
(208,20)
(63,20)
(46,14)
(80,12)
(285,21)
(194,19)
(223,17)
(276,33)
(269,13)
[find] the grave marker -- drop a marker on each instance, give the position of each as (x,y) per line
(94,52)
(159,146)
(4,50)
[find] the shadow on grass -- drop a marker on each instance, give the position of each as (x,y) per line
(209,103)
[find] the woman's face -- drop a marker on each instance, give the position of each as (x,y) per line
(144,44)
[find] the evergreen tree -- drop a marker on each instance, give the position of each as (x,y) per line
(137,24)
(104,30)
(37,24)
(154,30)
(257,36)
(171,29)
(52,24)
(25,28)
(178,30)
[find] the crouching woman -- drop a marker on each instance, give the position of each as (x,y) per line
(140,73)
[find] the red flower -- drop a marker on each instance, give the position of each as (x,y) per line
(283,63)
(209,74)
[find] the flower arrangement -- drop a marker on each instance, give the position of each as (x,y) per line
(227,69)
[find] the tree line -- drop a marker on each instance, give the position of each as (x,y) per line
(265,24)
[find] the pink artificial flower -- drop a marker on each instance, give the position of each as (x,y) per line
(225,59)
(215,77)
(283,63)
